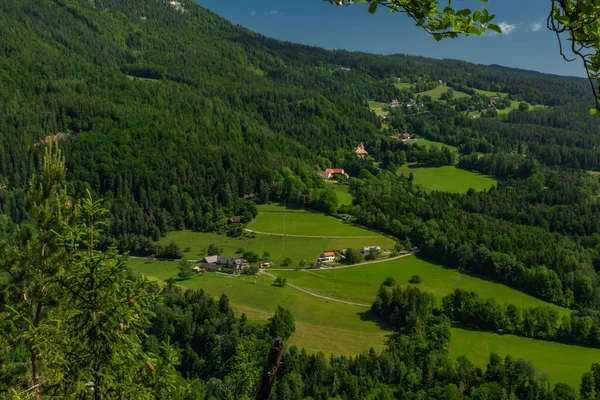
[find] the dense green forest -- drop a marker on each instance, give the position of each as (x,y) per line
(171,114)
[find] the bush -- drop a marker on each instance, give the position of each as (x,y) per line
(213,250)
(415,279)
(389,281)
(280,281)
(240,250)
(251,256)
(353,256)
(286,262)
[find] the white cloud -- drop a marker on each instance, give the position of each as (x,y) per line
(506,28)
(536,26)
(252,13)
(272,12)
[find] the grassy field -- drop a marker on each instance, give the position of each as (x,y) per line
(344,197)
(565,363)
(403,85)
(436,93)
(333,328)
(489,93)
(360,284)
(336,328)
(378,108)
(447,178)
(429,143)
(296,248)
(278,219)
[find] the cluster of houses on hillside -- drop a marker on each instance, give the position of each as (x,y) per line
(213,263)
(331,256)
(403,138)
(409,103)
(330,172)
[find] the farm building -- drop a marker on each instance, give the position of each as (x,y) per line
(235,220)
(327,256)
(395,103)
(213,263)
(367,249)
(330,172)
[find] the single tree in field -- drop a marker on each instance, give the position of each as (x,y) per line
(32,258)
(186,269)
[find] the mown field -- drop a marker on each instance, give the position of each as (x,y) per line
(429,143)
(336,328)
(333,328)
(377,107)
(564,363)
(359,284)
(436,93)
(447,178)
(278,219)
(344,197)
(280,247)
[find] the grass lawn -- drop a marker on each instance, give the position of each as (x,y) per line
(378,108)
(344,197)
(447,178)
(489,93)
(333,328)
(302,222)
(436,93)
(403,85)
(296,248)
(429,143)
(360,284)
(565,363)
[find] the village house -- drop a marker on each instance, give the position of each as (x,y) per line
(235,220)
(327,256)
(213,263)
(406,136)
(368,249)
(395,103)
(330,172)
(251,196)
(360,151)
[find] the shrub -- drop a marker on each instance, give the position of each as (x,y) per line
(415,279)
(286,262)
(389,281)
(251,256)
(280,281)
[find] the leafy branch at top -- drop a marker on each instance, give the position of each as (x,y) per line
(580,20)
(446,22)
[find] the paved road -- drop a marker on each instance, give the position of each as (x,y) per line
(310,236)
(318,295)
(349,266)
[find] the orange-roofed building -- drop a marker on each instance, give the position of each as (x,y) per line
(360,151)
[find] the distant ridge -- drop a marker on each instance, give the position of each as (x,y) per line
(531,72)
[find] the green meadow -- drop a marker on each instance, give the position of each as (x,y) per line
(342,192)
(437,92)
(359,284)
(377,107)
(336,328)
(333,328)
(403,85)
(280,247)
(292,221)
(429,143)
(447,178)
(564,363)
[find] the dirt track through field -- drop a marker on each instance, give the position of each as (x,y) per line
(310,236)
(318,295)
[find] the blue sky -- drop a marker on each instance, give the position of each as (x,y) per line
(526,43)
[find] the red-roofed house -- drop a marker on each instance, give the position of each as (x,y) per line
(327,256)
(360,151)
(329,172)
(394,103)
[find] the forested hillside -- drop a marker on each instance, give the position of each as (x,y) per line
(172,114)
